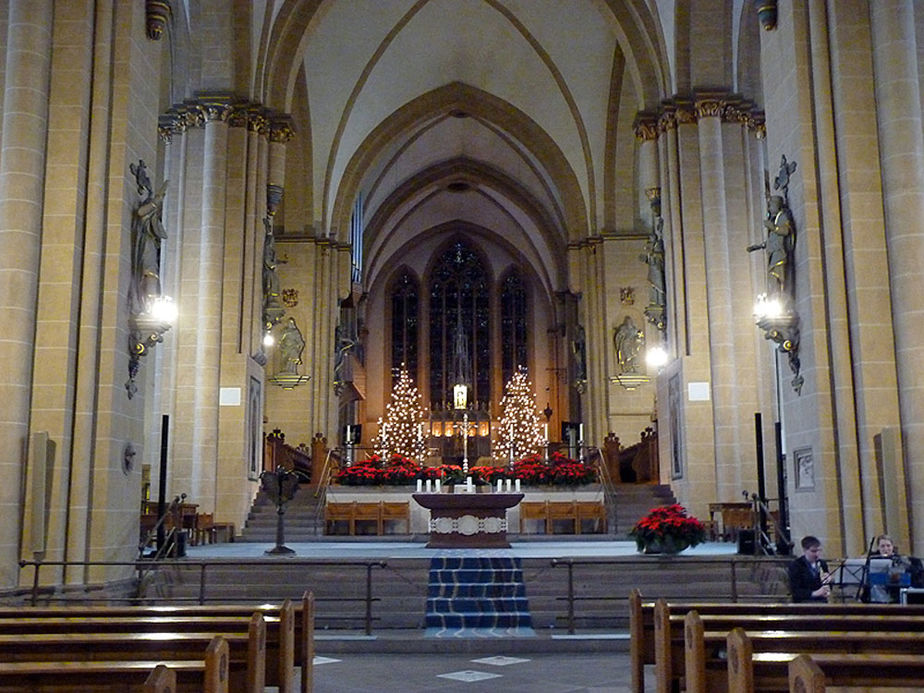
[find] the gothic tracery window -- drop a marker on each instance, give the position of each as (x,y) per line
(513,324)
(459,295)
(405,322)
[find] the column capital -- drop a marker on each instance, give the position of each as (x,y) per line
(646,126)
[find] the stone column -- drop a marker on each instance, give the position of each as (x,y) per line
(22,164)
(208,315)
(718,291)
(895,59)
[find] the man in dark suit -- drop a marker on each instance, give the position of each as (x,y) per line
(808,575)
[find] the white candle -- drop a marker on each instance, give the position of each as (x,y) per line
(580,433)
(437,485)
(500,485)
(348,438)
(468,484)
(429,486)
(546,427)
(509,485)
(517,485)
(419,485)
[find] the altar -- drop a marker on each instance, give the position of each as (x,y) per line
(468,520)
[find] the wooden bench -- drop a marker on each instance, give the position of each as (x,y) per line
(377,513)
(813,673)
(211,674)
(289,637)
(734,659)
(642,621)
(575,513)
(533,510)
(246,651)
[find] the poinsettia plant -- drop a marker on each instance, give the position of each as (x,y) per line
(669,526)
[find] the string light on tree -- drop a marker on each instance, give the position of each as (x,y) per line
(521,431)
(401,430)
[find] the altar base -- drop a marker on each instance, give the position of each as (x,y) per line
(468,520)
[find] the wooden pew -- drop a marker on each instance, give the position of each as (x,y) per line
(246,652)
(211,674)
(731,660)
(289,630)
(642,622)
(813,673)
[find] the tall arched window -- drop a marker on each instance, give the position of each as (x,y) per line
(514,323)
(459,294)
(405,322)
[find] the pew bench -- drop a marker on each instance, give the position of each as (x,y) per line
(245,652)
(571,515)
(814,673)
(642,622)
(289,639)
(211,674)
(744,661)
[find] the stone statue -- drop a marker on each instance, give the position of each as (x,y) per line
(628,340)
(344,342)
(579,348)
(273,309)
(147,234)
(654,258)
(291,345)
(779,246)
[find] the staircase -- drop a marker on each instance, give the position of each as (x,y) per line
(302,521)
(633,501)
(477,597)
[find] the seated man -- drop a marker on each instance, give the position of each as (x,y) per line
(809,579)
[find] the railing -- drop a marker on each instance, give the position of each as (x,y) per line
(143,566)
(609,489)
(572,597)
(169,542)
(762,516)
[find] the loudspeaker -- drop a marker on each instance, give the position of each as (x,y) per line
(746,542)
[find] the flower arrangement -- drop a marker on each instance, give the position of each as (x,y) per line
(668,529)
(531,470)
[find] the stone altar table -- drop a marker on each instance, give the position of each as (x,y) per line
(468,520)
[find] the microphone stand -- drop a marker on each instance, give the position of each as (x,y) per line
(864,576)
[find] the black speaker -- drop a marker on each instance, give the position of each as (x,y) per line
(746,542)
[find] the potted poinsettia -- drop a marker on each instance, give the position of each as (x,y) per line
(667,529)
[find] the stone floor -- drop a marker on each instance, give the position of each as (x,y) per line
(532,673)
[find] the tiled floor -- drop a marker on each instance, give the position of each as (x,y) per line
(546,673)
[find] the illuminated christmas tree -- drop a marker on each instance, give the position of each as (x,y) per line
(401,431)
(520,432)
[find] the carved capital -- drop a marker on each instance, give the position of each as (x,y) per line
(280,128)
(646,126)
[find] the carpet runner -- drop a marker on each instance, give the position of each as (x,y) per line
(477,597)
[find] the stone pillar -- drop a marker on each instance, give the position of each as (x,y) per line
(895,60)
(718,291)
(208,315)
(22,163)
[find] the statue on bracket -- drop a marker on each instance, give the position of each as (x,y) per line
(291,346)
(776,311)
(654,258)
(628,341)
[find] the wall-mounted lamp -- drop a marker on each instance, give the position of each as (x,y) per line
(781,325)
(151,313)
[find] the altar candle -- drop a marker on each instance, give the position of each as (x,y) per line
(509,485)
(468,484)
(580,433)
(419,485)
(348,438)
(500,485)
(429,486)
(437,485)
(517,485)
(546,427)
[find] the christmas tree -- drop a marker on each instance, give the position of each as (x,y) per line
(401,431)
(520,431)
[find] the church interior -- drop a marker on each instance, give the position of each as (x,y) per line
(230,231)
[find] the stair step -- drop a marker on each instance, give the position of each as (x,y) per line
(469,590)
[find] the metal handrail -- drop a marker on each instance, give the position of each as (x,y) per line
(170,540)
(145,565)
(571,595)
(609,489)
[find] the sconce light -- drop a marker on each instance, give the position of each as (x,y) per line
(146,329)
(656,357)
(780,324)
